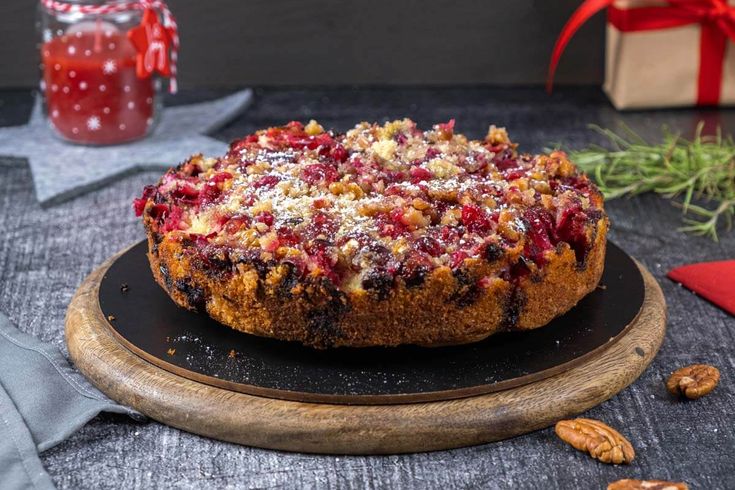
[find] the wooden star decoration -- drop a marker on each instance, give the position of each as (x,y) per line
(62,170)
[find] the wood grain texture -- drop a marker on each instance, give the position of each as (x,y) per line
(355,429)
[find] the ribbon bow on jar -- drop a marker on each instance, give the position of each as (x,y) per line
(716,17)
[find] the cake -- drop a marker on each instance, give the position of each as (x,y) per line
(384,235)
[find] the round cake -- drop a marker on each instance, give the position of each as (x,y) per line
(381,236)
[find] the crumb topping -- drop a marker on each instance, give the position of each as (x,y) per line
(375,206)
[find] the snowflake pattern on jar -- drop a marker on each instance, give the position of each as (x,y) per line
(91,88)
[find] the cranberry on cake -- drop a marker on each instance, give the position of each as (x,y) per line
(382,236)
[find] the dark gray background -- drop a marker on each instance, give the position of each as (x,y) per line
(45,254)
(336,42)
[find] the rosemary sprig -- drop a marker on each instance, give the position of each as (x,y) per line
(701,170)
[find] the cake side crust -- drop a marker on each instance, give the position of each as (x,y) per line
(444,310)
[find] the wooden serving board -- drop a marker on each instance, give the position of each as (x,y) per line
(355,429)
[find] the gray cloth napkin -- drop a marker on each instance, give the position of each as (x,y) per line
(42,401)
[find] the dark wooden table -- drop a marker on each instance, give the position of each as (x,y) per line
(45,253)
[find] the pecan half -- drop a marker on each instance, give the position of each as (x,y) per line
(628,484)
(599,440)
(693,381)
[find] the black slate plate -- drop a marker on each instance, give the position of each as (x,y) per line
(151,325)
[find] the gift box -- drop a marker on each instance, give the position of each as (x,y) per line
(661,53)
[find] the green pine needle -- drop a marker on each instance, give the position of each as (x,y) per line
(701,170)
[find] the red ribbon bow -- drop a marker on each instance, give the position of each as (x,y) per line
(716,17)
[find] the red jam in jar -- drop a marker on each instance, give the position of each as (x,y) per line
(94,89)
(93,95)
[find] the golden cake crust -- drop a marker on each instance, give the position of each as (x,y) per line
(458,239)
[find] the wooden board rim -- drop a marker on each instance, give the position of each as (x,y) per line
(381,399)
(355,429)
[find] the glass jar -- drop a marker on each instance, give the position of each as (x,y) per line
(92,94)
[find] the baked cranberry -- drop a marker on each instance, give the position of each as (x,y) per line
(571,229)
(185,192)
(215,260)
(221,219)
(212,189)
(475,219)
(324,257)
(432,152)
(394,176)
(197,239)
(391,224)
(139,203)
(239,145)
(578,182)
(158,211)
(268,181)
(457,258)
(420,174)
(286,236)
(414,269)
(321,225)
(300,140)
(541,234)
(264,217)
(319,172)
(249,199)
(323,140)
(514,174)
(325,223)
(430,246)
(339,153)
(220,177)
(505,160)
(401,138)
(210,192)
(172,220)
(449,234)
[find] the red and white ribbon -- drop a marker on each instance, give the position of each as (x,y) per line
(157,5)
(717,18)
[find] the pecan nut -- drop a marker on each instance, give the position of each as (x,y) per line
(599,440)
(693,381)
(628,484)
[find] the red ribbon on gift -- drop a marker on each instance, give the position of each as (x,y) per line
(716,17)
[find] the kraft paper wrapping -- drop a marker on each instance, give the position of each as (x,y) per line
(649,69)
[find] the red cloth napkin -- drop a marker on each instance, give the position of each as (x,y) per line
(714,281)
